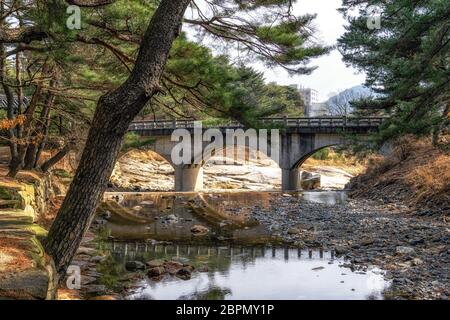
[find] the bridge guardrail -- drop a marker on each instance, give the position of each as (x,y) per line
(319,122)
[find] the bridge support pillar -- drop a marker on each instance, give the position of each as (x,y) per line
(188,179)
(290,180)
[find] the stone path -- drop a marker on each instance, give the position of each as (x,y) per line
(24,270)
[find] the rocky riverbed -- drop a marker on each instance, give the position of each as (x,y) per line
(415,251)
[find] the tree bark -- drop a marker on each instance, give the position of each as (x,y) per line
(47,122)
(113,115)
(16,165)
(35,147)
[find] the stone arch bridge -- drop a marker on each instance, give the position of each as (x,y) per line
(299,139)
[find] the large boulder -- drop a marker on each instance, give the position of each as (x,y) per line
(154,263)
(172,267)
(156,272)
(311,183)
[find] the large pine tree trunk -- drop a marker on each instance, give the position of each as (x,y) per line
(113,115)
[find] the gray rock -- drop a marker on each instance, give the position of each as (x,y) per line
(154,263)
(97,259)
(86,250)
(199,230)
(404,250)
(95,288)
(311,183)
(293,231)
(340,250)
(134,265)
(171,218)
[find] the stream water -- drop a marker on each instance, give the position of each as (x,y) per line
(251,266)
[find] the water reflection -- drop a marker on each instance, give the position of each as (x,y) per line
(248,267)
(240,272)
(170,216)
(326,197)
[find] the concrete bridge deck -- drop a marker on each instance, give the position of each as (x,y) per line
(289,124)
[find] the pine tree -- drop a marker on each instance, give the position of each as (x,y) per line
(406,60)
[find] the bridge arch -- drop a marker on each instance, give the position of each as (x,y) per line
(308,155)
(301,138)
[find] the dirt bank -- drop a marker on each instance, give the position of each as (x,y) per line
(415,173)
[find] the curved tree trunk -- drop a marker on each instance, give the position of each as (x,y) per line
(57,157)
(113,115)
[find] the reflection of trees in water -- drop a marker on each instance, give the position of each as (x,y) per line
(235,207)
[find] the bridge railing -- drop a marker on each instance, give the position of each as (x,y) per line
(319,122)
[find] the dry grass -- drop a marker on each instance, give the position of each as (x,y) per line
(143,155)
(416,172)
(432,178)
(348,163)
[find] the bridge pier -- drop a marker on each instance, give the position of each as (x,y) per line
(290,179)
(188,178)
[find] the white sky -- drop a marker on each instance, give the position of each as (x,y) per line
(332,75)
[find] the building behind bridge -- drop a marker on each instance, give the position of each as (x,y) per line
(313,108)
